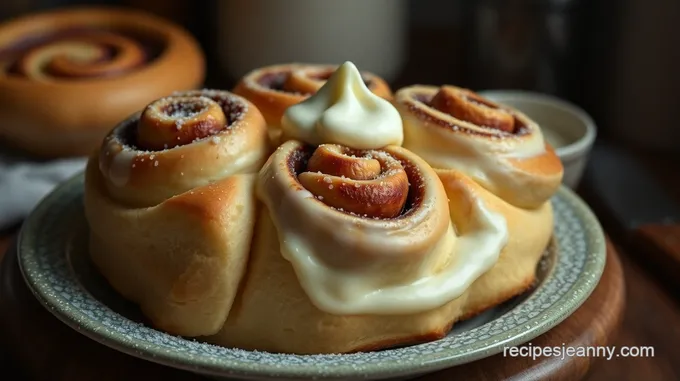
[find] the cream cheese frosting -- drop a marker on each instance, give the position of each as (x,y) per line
(344,111)
(349,264)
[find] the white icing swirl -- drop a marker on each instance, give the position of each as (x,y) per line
(344,111)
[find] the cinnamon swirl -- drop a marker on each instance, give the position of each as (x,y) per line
(67,76)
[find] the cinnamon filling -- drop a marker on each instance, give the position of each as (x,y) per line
(79,53)
(176,121)
(370,183)
(182,119)
(468,106)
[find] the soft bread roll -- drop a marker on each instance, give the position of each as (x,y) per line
(171,228)
(67,76)
(275,88)
(341,241)
(474,143)
(499,147)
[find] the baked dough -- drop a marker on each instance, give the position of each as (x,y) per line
(171,229)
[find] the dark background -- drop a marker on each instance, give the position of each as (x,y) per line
(618,59)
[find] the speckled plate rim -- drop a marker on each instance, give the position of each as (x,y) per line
(234,363)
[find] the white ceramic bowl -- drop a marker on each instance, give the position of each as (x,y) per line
(569,129)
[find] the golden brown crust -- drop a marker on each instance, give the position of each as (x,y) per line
(172,258)
(435,334)
(503,296)
(545,166)
(275,88)
(54,115)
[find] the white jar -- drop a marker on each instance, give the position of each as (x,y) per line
(256,33)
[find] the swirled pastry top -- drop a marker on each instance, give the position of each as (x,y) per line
(344,111)
(180,142)
(499,147)
(369,231)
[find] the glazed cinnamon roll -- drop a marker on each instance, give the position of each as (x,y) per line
(499,147)
(355,247)
(275,88)
(170,204)
(67,76)
(355,250)
(499,153)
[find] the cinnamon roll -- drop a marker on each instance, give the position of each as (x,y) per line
(499,147)
(275,88)
(67,76)
(355,250)
(170,204)
(495,151)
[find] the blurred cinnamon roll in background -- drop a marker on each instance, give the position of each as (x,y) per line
(67,76)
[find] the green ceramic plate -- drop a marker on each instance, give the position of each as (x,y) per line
(54,261)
